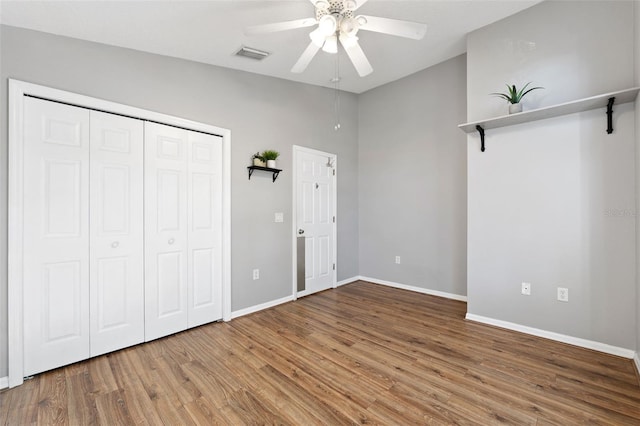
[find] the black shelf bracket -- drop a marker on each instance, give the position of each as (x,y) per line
(481,131)
(610,115)
(275,172)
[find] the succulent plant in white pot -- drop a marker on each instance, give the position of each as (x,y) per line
(514,96)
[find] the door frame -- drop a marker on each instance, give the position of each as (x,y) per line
(17,91)
(294,215)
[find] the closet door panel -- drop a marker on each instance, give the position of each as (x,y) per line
(56,235)
(116,212)
(205,228)
(166,245)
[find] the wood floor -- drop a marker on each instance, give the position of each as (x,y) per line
(362,353)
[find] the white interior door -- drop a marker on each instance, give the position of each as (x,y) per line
(166,245)
(204,294)
(315,217)
(56,235)
(116,236)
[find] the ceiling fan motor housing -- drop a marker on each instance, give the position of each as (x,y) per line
(337,16)
(337,8)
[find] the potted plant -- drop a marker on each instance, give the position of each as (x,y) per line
(270,157)
(514,96)
(258,160)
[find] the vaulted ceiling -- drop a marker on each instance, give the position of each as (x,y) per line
(212,31)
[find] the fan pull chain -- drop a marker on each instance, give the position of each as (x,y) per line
(336,94)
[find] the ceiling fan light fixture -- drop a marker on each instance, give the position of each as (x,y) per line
(349,26)
(350,5)
(336,23)
(331,44)
(328,25)
(317,37)
(322,4)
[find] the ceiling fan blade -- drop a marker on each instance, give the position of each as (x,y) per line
(305,58)
(357,56)
(414,30)
(280,26)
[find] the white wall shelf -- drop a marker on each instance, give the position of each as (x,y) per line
(580,105)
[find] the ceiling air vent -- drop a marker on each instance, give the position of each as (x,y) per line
(250,52)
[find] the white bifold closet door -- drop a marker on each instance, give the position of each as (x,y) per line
(183,235)
(116,261)
(56,235)
(82,219)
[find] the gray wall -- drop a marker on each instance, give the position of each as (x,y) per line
(552,202)
(413,179)
(262,112)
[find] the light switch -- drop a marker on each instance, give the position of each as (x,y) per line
(279,217)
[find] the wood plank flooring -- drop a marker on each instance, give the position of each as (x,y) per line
(362,353)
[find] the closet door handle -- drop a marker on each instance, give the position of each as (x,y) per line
(115,244)
(171,241)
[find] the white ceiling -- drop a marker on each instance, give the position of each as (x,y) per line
(212,31)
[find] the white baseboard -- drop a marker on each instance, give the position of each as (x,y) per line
(416,289)
(256,308)
(260,307)
(348,281)
(4,382)
(636,358)
(576,341)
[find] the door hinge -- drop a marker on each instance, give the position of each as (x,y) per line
(334,266)
(334,219)
(334,172)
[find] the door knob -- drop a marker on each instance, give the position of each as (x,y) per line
(171,241)
(115,244)
(300,231)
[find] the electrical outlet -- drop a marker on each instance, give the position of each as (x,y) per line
(526,289)
(563,294)
(397,260)
(256,274)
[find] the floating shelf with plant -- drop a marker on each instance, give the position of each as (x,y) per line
(265,162)
(605,100)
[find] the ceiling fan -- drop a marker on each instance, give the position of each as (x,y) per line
(336,23)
